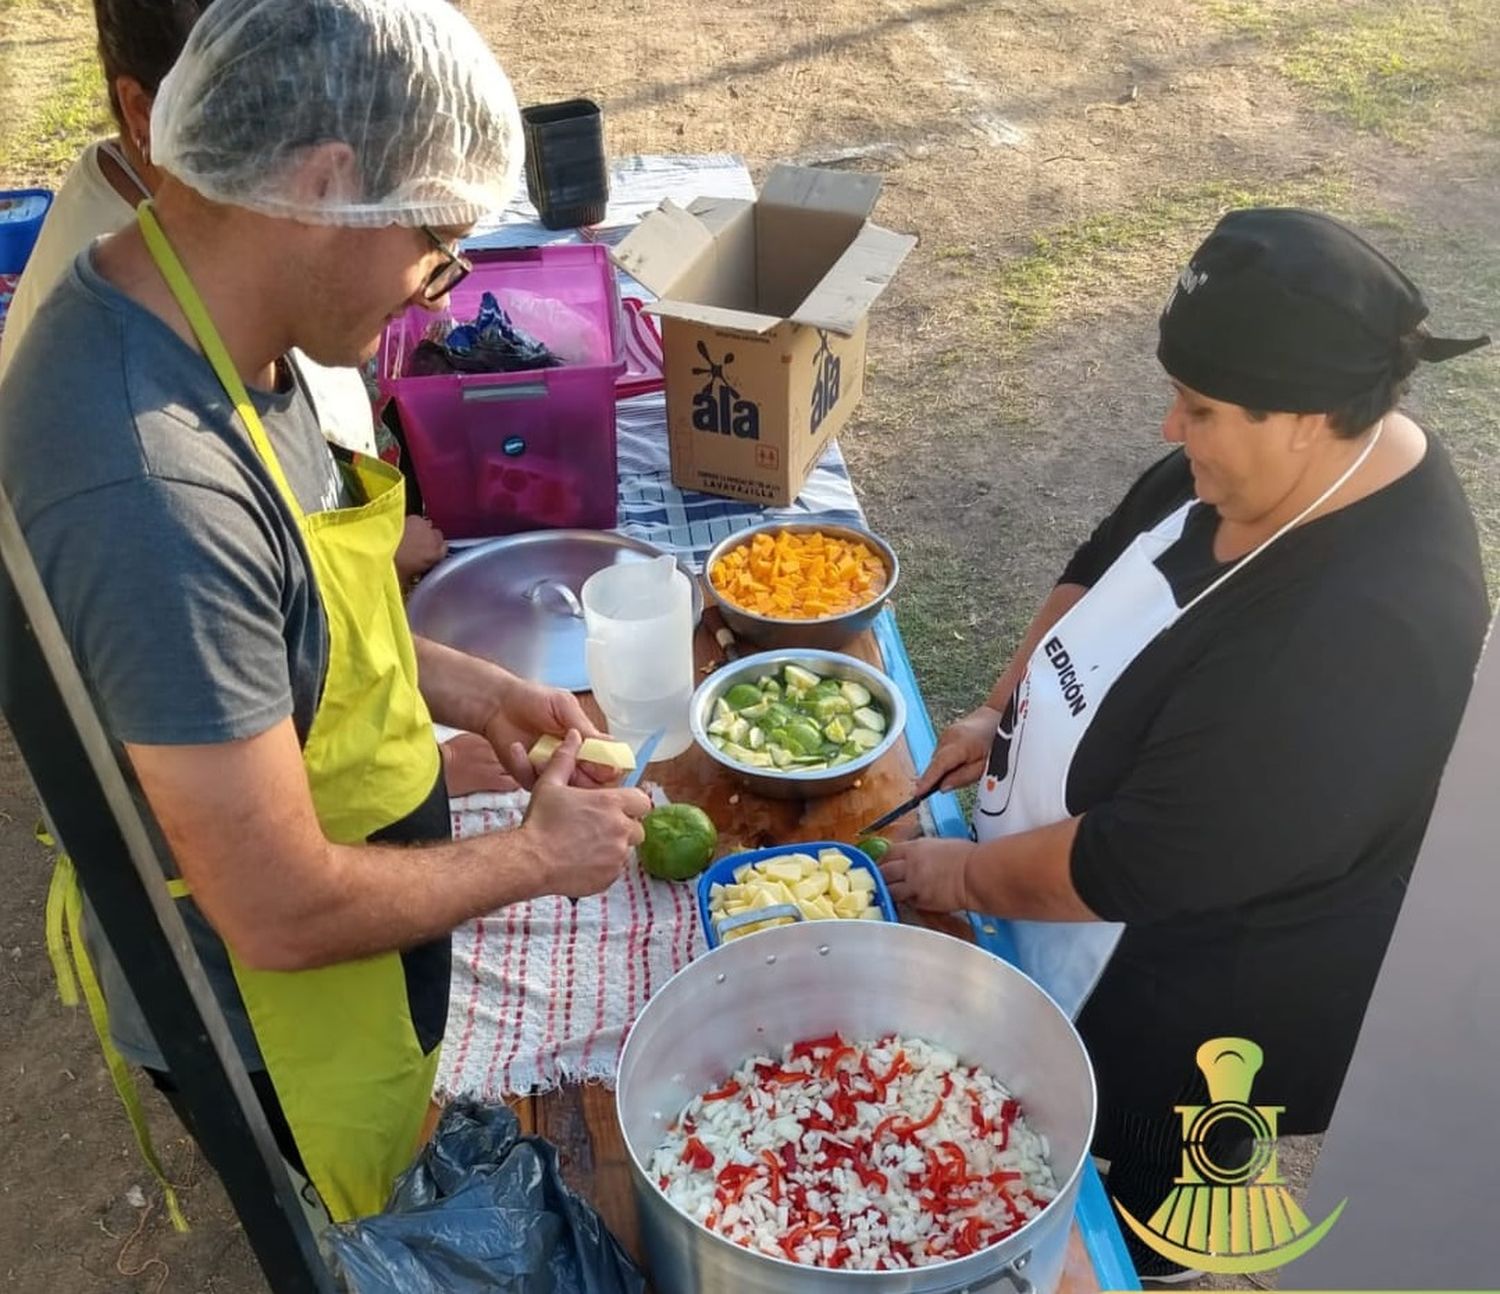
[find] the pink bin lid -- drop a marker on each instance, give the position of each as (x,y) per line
(643,353)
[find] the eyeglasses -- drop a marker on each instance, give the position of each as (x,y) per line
(453,270)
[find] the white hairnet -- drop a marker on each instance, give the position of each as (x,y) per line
(408,85)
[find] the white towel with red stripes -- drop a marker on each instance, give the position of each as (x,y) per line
(543,993)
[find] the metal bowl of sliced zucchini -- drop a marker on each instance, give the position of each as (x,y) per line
(797,724)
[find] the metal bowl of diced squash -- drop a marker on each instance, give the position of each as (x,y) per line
(797,724)
(820,633)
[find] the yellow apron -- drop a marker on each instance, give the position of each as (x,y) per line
(339,1042)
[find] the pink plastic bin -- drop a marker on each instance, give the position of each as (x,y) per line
(498,453)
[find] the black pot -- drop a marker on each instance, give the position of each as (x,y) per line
(567,172)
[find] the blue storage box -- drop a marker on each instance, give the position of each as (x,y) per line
(722,873)
(21,214)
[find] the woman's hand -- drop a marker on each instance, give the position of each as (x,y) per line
(471,765)
(527,711)
(929,874)
(962,752)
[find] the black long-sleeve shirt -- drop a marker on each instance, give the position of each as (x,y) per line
(1255,786)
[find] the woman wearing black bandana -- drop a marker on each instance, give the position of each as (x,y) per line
(1204,777)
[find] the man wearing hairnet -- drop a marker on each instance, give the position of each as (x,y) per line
(225,579)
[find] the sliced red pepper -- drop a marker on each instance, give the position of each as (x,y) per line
(1008,1112)
(956,1156)
(840,1256)
(729,1089)
(785,1076)
(1002,1179)
(877,1083)
(947,1086)
(792,1239)
(872,1177)
(696,1155)
(976,1114)
(733,1179)
(769,1159)
(925,1122)
(817,1123)
(836,1152)
(789,1158)
(970,1237)
(829,1043)
(830,1063)
(844,1113)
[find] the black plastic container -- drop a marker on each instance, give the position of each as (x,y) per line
(567,172)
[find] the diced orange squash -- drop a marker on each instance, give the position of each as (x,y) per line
(799,576)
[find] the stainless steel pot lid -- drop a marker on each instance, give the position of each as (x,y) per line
(514,600)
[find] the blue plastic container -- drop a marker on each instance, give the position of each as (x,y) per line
(722,873)
(21,214)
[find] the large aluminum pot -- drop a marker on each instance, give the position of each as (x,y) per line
(863,979)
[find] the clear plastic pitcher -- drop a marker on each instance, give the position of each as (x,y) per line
(639,653)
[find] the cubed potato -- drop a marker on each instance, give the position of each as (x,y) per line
(811,888)
(851,905)
(834,860)
(783,869)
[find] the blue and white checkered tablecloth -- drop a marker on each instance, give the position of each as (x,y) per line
(688,524)
(682,522)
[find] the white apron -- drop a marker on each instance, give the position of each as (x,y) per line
(1068,676)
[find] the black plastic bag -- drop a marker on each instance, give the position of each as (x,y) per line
(491,344)
(482,1210)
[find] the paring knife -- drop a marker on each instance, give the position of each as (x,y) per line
(643,757)
(900,811)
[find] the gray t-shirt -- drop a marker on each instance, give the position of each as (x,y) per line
(176,570)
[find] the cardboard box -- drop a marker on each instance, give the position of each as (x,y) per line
(763,307)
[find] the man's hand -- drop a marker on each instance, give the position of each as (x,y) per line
(929,874)
(526,711)
(962,752)
(421,548)
(581,839)
(470,764)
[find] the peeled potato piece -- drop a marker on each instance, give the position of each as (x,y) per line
(595,750)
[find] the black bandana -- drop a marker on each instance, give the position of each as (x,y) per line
(1288,311)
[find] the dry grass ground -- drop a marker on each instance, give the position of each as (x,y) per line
(1058,160)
